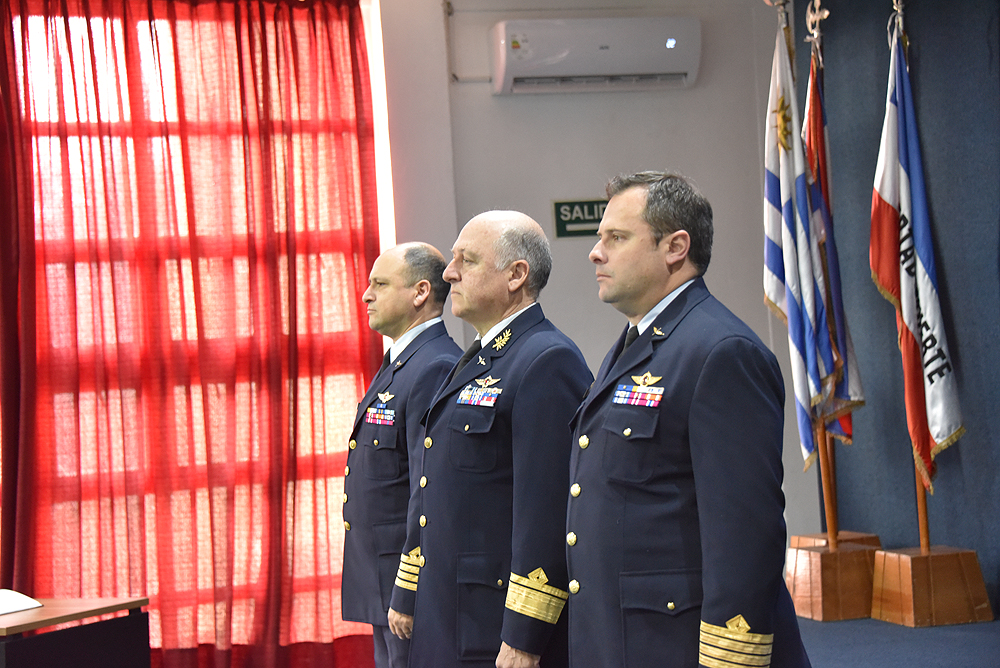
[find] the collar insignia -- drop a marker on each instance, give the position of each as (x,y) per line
(481,360)
(501,340)
(657,331)
(384,397)
(486,382)
(646,379)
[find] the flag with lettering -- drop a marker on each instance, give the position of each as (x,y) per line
(902,263)
(847,393)
(793,278)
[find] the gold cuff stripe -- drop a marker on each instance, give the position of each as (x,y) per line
(742,647)
(723,632)
(406,568)
(413,560)
(709,662)
(533,603)
(412,586)
(403,575)
(735,658)
(538,586)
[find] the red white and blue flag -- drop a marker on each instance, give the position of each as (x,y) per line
(902,263)
(847,393)
(794,285)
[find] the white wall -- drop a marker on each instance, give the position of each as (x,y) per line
(457,150)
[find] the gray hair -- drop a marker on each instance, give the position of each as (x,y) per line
(528,243)
(673,203)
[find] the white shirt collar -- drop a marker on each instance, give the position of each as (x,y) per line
(399,345)
(500,326)
(648,319)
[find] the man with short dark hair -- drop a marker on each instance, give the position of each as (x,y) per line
(405,298)
(675,530)
(482,580)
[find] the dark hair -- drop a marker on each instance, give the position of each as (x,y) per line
(423,263)
(521,242)
(672,203)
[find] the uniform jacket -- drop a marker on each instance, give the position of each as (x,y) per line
(387,436)
(675,528)
(486,560)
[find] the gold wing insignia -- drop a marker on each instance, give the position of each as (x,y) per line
(384,397)
(501,340)
(646,379)
(486,382)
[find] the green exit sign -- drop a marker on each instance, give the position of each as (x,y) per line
(578,219)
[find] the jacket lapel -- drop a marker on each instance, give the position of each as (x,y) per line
(641,351)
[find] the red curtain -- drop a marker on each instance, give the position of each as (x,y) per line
(187,222)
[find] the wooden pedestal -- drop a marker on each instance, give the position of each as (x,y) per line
(942,586)
(829,586)
(820,539)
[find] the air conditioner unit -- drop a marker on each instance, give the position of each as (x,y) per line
(594,54)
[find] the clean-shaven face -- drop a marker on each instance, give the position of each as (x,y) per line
(479,291)
(389,300)
(631,267)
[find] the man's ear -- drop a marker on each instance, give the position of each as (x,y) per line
(517,275)
(422,294)
(677,246)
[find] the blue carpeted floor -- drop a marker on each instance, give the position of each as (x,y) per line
(869,643)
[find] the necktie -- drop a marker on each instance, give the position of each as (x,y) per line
(468,355)
(385,363)
(630,337)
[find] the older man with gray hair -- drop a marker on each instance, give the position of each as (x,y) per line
(482,580)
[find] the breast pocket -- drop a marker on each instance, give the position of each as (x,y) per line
(470,447)
(382,457)
(631,450)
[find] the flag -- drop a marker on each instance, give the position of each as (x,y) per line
(793,277)
(847,393)
(902,263)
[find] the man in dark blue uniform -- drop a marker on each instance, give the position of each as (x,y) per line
(675,530)
(482,580)
(405,298)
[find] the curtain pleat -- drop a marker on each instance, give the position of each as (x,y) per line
(192,221)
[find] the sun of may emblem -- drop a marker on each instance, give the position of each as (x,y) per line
(501,340)
(783,121)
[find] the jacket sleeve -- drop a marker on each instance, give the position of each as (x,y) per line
(432,377)
(547,397)
(736,425)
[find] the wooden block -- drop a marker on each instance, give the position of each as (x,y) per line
(820,539)
(830,586)
(939,587)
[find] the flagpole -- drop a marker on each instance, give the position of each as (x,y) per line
(925,532)
(829,498)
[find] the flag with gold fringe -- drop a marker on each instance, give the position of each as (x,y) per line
(902,263)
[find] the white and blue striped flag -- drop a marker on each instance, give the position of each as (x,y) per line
(793,274)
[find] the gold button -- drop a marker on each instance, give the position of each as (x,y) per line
(353,444)
(574,586)
(428,442)
(347,525)
(499,583)
(574,490)
(423,481)
(345,497)
(466,427)
(671,606)
(627,432)
(423,520)
(347,470)
(421,562)
(375,442)
(571,539)
(584,441)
